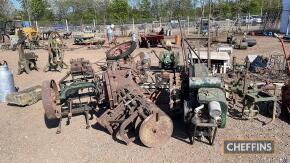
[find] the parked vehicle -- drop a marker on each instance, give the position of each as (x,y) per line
(257,19)
(244,20)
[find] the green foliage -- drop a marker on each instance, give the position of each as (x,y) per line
(254,7)
(144,9)
(38,8)
(119,10)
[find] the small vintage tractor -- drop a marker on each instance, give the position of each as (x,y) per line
(27,61)
(78,92)
(55,53)
(151,40)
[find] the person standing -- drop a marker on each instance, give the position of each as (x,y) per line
(110,33)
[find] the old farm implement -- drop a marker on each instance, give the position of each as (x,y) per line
(76,93)
(131,109)
(121,51)
(122,105)
(55,53)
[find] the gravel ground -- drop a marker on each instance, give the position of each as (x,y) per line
(24,136)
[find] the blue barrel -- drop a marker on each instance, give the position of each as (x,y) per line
(6,81)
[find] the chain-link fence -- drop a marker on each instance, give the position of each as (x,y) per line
(121,28)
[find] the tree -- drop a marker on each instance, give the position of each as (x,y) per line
(144,9)
(38,8)
(119,10)
(6,9)
(185,8)
(26,9)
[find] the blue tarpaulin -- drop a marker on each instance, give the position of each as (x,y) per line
(26,24)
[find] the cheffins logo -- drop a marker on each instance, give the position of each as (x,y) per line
(248,147)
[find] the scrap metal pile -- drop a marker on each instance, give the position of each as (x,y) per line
(122,105)
(123,96)
(133,100)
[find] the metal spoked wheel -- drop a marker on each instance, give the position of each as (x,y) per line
(121,51)
(50,96)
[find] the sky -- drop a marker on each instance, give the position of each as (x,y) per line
(16,4)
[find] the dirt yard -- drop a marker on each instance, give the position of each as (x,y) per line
(24,136)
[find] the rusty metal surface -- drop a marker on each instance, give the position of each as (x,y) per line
(79,92)
(55,53)
(121,51)
(156,130)
(129,106)
(49,98)
(80,65)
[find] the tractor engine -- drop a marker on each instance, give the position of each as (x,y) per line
(205,106)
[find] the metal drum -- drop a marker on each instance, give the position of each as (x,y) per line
(6,81)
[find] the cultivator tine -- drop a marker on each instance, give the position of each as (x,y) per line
(123,133)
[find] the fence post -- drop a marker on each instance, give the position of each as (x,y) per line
(288,23)
(66,23)
(187,25)
(133,26)
(36,25)
(94,24)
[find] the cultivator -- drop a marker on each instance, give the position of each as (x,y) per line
(137,113)
(132,110)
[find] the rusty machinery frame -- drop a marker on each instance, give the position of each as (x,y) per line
(79,93)
(252,95)
(128,107)
(131,108)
